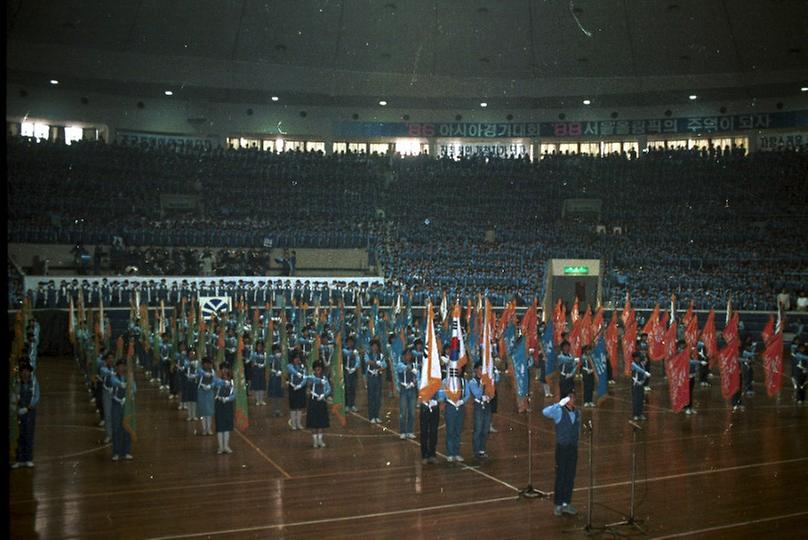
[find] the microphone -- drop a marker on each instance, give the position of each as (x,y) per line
(635,425)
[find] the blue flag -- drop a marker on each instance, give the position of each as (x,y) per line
(519,359)
(549,348)
(599,357)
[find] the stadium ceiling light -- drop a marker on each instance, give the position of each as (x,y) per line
(54,81)
(804,89)
(483,104)
(168,93)
(693,97)
(275,98)
(382,103)
(587,102)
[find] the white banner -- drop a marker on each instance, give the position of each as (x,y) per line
(774,141)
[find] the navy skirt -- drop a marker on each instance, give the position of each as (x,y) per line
(258,381)
(224,416)
(275,386)
(297,398)
(317,414)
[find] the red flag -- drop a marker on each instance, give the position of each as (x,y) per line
(575,338)
(530,323)
(692,332)
(652,322)
(729,369)
(669,340)
(626,311)
(559,321)
(731,329)
(629,343)
(656,339)
(768,330)
(611,341)
(586,328)
(677,369)
(574,314)
(709,338)
(689,314)
(773,364)
(597,322)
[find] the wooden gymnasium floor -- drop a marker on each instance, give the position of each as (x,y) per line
(713,475)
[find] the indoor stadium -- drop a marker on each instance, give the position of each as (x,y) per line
(442,268)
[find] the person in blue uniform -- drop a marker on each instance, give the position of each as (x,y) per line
(317,410)
(799,373)
(121,441)
(190,391)
(407,376)
(747,369)
(375,364)
(429,419)
(482,412)
(351,360)
(276,380)
(224,407)
(258,365)
(567,366)
(296,372)
(177,376)
(639,376)
(455,394)
(165,363)
(567,421)
(27,399)
(247,355)
(205,392)
(107,371)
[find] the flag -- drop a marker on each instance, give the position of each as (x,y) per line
(629,343)
(729,369)
(101,329)
(626,311)
(559,321)
(597,322)
(611,341)
(651,323)
(338,384)
(599,357)
(457,349)
(708,337)
(691,331)
(430,368)
(520,372)
(129,418)
(574,314)
(773,364)
(530,323)
(488,356)
(768,330)
(548,346)
(71,323)
(587,335)
(731,329)
(669,340)
(314,354)
(677,369)
(444,307)
(242,420)
(575,338)
(689,314)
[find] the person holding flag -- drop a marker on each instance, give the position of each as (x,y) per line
(407,375)
(296,372)
(588,375)
(190,392)
(548,364)
(456,391)
(121,439)
(430,392)
(352,362)
(695,365)
(27,398)
(375,364)
(480,391)
(258,381)
(319,389)
(568,366)
(106,372)
(275,385)
(747,369)
(224,410)
(205,394)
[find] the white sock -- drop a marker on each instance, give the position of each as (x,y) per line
(315,439)
(546,389)
(299,419)
(220,438)
(226,440)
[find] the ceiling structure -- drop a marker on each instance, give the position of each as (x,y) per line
(415,53)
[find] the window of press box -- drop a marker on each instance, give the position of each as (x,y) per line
(315,146)
(295,146)
(379,148)
(360,148)
(73,134)
(35,130)
(339,147)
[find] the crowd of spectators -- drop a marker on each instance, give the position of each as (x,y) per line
(703,224)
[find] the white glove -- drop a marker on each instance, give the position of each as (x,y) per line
(647,373)
(321,398)
(564,401)
(123,385)
(703,363)
(355,351)
(433,403)
(23,410)
(460,403)
(485,399)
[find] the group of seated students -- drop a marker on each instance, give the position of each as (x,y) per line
(700,223)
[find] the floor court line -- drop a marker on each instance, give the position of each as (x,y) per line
(338,519)
(76,454)
(263,455)
(731,525)
(466,467)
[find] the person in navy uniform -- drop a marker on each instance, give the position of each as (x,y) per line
(567,366)
(276,367)
(178,381)
(455,394)
(121,441)
(375,364)
(317,411)
(190,391)
(407,375)
(106,372)
(165,363)
(694,367)
(747,369)
(799,373)
(567,421)
(482,412)
(639,376)
(224,407)
(704,366)
(27,399)
(205,392)
(297,391)
(258,365)
(588,373)
(350,358)
(429,419)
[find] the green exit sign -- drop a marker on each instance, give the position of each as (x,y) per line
(576,270)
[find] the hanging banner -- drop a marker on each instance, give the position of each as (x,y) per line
(125,136)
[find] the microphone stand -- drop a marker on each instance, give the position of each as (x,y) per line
(529,492)
(631,520)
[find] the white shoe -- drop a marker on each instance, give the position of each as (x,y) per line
(411,435)
(402,436)
(101,423)
(220,451)
(459,458)
(128,457)
(492,429)
(107,440)
(17,465)
(115,457)
(180,408)
(322,444)
(378,421)
(227,450)
(29,464)
(450,458)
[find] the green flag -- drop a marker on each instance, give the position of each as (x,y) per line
(241,413)
(338,384)
(314,354)
(129,418)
